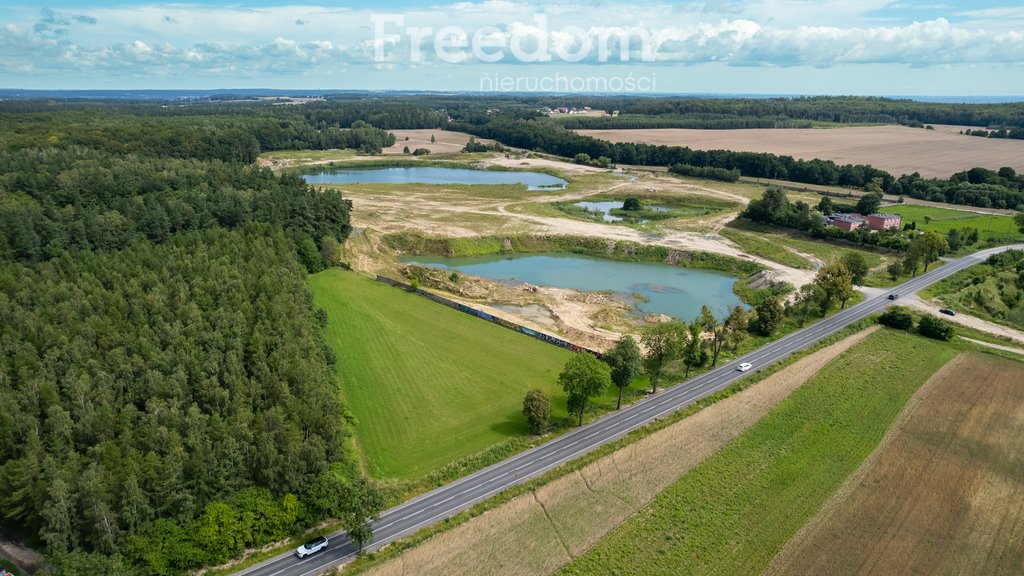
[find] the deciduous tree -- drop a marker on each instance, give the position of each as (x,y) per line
(769,316)
(928,247)
(835,283)
(693,352)
(664,343)
(582,377)
(363,505)
(537,409)
(857,265)
(626,363)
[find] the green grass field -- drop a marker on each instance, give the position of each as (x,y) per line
(774,251)
(821,249)
(733,513)
(310,155)
(942,220)
(429,385)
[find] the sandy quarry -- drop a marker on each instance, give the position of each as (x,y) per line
(438,211)
(935,153)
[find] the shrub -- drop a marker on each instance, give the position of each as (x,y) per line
(537,409)
(897,317)
(933,327)
(420,152)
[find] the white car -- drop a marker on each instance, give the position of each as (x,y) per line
(311,547)
(744,366)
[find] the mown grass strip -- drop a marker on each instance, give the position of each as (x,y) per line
(734,512)
(427,384)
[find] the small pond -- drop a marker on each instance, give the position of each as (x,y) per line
(435,175)
(678,292)
(605,208)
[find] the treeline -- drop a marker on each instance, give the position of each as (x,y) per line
(166,396)
(981,187)
(1013,134)
(192,132)
(716,112)
(694,121)
(150,395)
(54,200)
(976,187)
(707,172)
(546,135)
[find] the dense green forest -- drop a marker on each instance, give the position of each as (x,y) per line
(166,397)
(79,198)
(228,132)
(150,382)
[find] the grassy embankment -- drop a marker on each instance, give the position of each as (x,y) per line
(733,513)
(412,243)
(992,291)
(772,242)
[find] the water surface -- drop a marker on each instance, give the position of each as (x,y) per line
(678,292)
(435,175)
(605,207)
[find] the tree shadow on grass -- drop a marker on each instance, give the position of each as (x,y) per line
(513,425)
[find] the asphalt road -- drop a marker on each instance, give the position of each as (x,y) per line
(445,501)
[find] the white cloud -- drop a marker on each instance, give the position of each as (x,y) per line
(190,39)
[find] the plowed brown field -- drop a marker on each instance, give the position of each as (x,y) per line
(899,150)
(942,494)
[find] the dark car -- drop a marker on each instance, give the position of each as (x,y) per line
(893,296)
(947,311)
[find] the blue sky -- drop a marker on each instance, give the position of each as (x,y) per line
(884,47)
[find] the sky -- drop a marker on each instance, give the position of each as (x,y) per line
(871,47)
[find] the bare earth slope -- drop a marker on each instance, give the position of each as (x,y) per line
(942,494)
(897,149)
(539,532)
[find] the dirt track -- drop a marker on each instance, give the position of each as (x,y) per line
(427,213)
(968,320)
(539,532)
(897,149)
(943,492)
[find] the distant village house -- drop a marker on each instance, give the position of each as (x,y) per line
(883,221)
(850,222)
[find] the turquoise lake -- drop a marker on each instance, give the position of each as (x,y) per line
(678,292)
(433,175)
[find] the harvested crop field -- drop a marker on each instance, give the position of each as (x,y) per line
(445,142)
(736,511)
(944,492)
(538,532)
(898,149)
